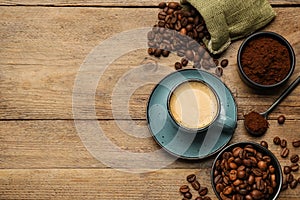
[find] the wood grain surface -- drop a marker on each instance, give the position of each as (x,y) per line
(42,47)
(132,3)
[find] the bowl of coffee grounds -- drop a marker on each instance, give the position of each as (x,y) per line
(246,170)
(265,60)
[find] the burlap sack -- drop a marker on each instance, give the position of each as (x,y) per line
(228,20)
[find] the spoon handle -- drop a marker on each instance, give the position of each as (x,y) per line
(283,95)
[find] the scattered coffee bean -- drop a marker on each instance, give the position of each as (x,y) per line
(151,51)
(188,195)
(199,198)
(219,71)
(298,180)
(224,63)
(296,143)
(283,143)
(178,66)
(165,53)
(284,186)
(196,185)
(294,158)
(289,178)
(295,167)
(281,119)
(191,178)
(285,152)
(184,189)
(293,184)
(277,140)
(287,169)
(184,62)
(157,53)
(264,144)
(203,191)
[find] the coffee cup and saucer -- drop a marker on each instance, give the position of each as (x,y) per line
(191,114)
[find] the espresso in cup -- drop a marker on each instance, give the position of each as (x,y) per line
(193,105)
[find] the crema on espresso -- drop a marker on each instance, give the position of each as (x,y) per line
(193,105)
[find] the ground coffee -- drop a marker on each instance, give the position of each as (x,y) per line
(256,123)
(266,61)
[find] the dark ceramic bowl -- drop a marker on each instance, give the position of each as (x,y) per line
(260,149)
(277,37)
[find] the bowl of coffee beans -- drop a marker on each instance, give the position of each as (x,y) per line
(265,60)
(246,170)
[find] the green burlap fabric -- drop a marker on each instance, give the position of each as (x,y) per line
(228,20)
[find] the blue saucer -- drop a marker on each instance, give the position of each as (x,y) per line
(175,139)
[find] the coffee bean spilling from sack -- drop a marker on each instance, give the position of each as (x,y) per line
(180,30)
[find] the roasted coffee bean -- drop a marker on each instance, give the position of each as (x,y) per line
(227,190)
(233,175)
(189,54)
(224,63)
(287,169)
(218,179)
(262,165)
(157,53)
(196,185)
(294,167)
(184,189)
(151,51)
(283,143)
(173,5)
(219,71)
(296,143)
(294,158)
(191,178)
(206,198)
(178,66)
(284,186)
(281,119)
(203,191)
(285,152)
(298,180)
(165,53)
(256,194)
(188,195)
(219,187)
(162,5)
(293,184)
(162,15)
(199,198)
(289,178)
(264,144)
(184,62)
(271,169)
(277,140)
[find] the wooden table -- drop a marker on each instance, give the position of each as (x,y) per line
(42,46)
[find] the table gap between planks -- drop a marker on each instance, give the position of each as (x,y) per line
(44,43)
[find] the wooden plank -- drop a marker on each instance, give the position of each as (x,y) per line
(104,184)
(43,144)
(42,49)
(110,2)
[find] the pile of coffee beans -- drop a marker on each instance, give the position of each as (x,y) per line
(182,31)
(244,173)
(289,180)
(186,192)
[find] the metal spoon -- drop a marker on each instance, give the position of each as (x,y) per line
(265,114)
